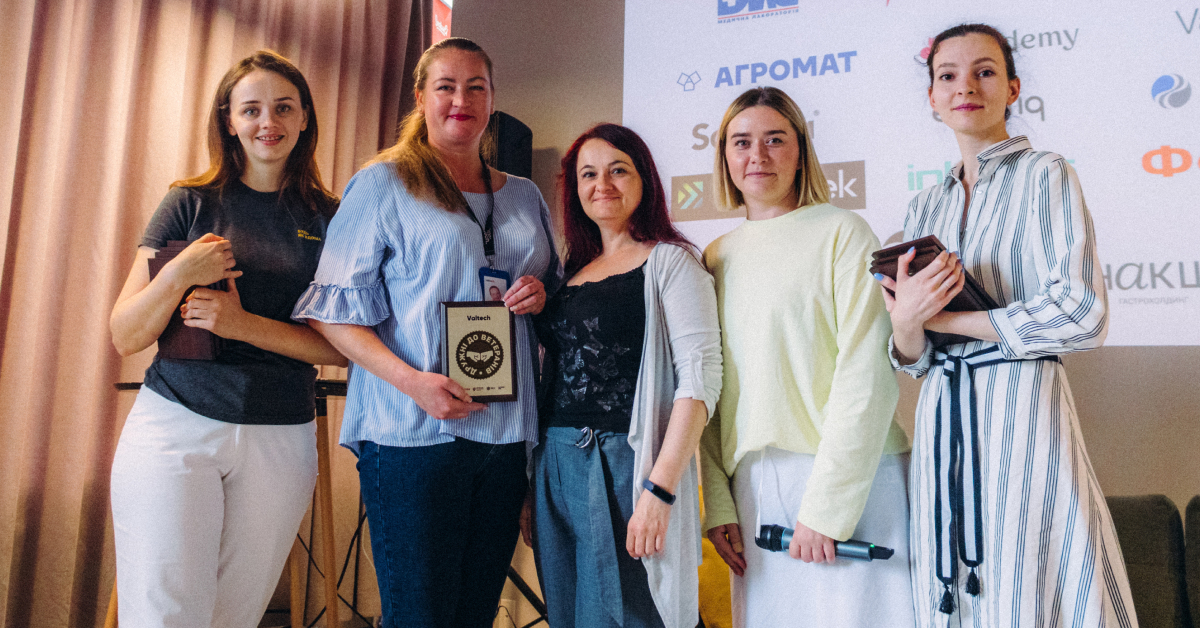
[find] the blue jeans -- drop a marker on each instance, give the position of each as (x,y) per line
(443,527)
(583,499)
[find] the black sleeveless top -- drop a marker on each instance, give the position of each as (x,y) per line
(593,334)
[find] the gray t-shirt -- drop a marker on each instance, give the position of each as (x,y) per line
(277,245)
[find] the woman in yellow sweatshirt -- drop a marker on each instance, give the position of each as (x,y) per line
(804,434)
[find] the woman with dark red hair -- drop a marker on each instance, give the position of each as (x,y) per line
(631,375)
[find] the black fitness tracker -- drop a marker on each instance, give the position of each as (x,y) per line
(658,491)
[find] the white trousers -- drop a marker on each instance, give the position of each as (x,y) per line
(204,514)
(778,590)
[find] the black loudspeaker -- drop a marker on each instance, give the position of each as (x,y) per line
(512,143)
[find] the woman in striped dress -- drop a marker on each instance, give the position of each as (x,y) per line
(1009,526)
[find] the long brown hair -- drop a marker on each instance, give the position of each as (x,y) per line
(810,184)
(418,164)
(227,158)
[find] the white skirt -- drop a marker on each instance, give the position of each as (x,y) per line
(778,590)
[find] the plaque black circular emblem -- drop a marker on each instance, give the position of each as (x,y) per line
(479,355)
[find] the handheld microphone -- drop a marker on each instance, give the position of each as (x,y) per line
(775,538)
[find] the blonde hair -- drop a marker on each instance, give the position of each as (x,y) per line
(810,184)
(418,164)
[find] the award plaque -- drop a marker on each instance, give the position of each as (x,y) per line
(478,349)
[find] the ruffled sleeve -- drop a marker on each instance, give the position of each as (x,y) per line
(330,303)
(348,288)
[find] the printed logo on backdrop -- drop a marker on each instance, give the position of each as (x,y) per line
(1129,278)
(688,81)
(691,199)
(729,11)
(1188,24)
(924,54)
(1167,161)
(847,184)
(691,195)
(704,139)
(1065,38)
(920,179)
(443,14)
(785,69)
(1171,91)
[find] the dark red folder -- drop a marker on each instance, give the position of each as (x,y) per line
(178,341)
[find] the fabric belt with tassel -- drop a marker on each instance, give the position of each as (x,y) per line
(958,517)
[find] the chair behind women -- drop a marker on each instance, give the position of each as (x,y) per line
(1151,536)
(1192,557)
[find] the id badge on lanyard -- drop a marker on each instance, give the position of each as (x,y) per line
(494,283)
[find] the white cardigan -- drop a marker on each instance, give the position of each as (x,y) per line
(681,358)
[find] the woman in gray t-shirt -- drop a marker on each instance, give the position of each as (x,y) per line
(217,459)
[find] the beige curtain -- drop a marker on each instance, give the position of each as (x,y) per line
(102,105)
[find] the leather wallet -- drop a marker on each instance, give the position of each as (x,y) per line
(971,299)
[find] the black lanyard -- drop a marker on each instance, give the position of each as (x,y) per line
(489,235)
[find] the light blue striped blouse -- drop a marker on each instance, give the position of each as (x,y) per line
(389,260)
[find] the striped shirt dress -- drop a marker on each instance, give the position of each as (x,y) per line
(1009,525)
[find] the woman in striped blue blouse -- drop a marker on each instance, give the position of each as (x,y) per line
(1005,507)
(442,477)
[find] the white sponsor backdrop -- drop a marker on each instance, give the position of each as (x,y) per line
(1107,84)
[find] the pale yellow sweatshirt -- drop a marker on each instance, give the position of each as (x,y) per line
(804,336)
